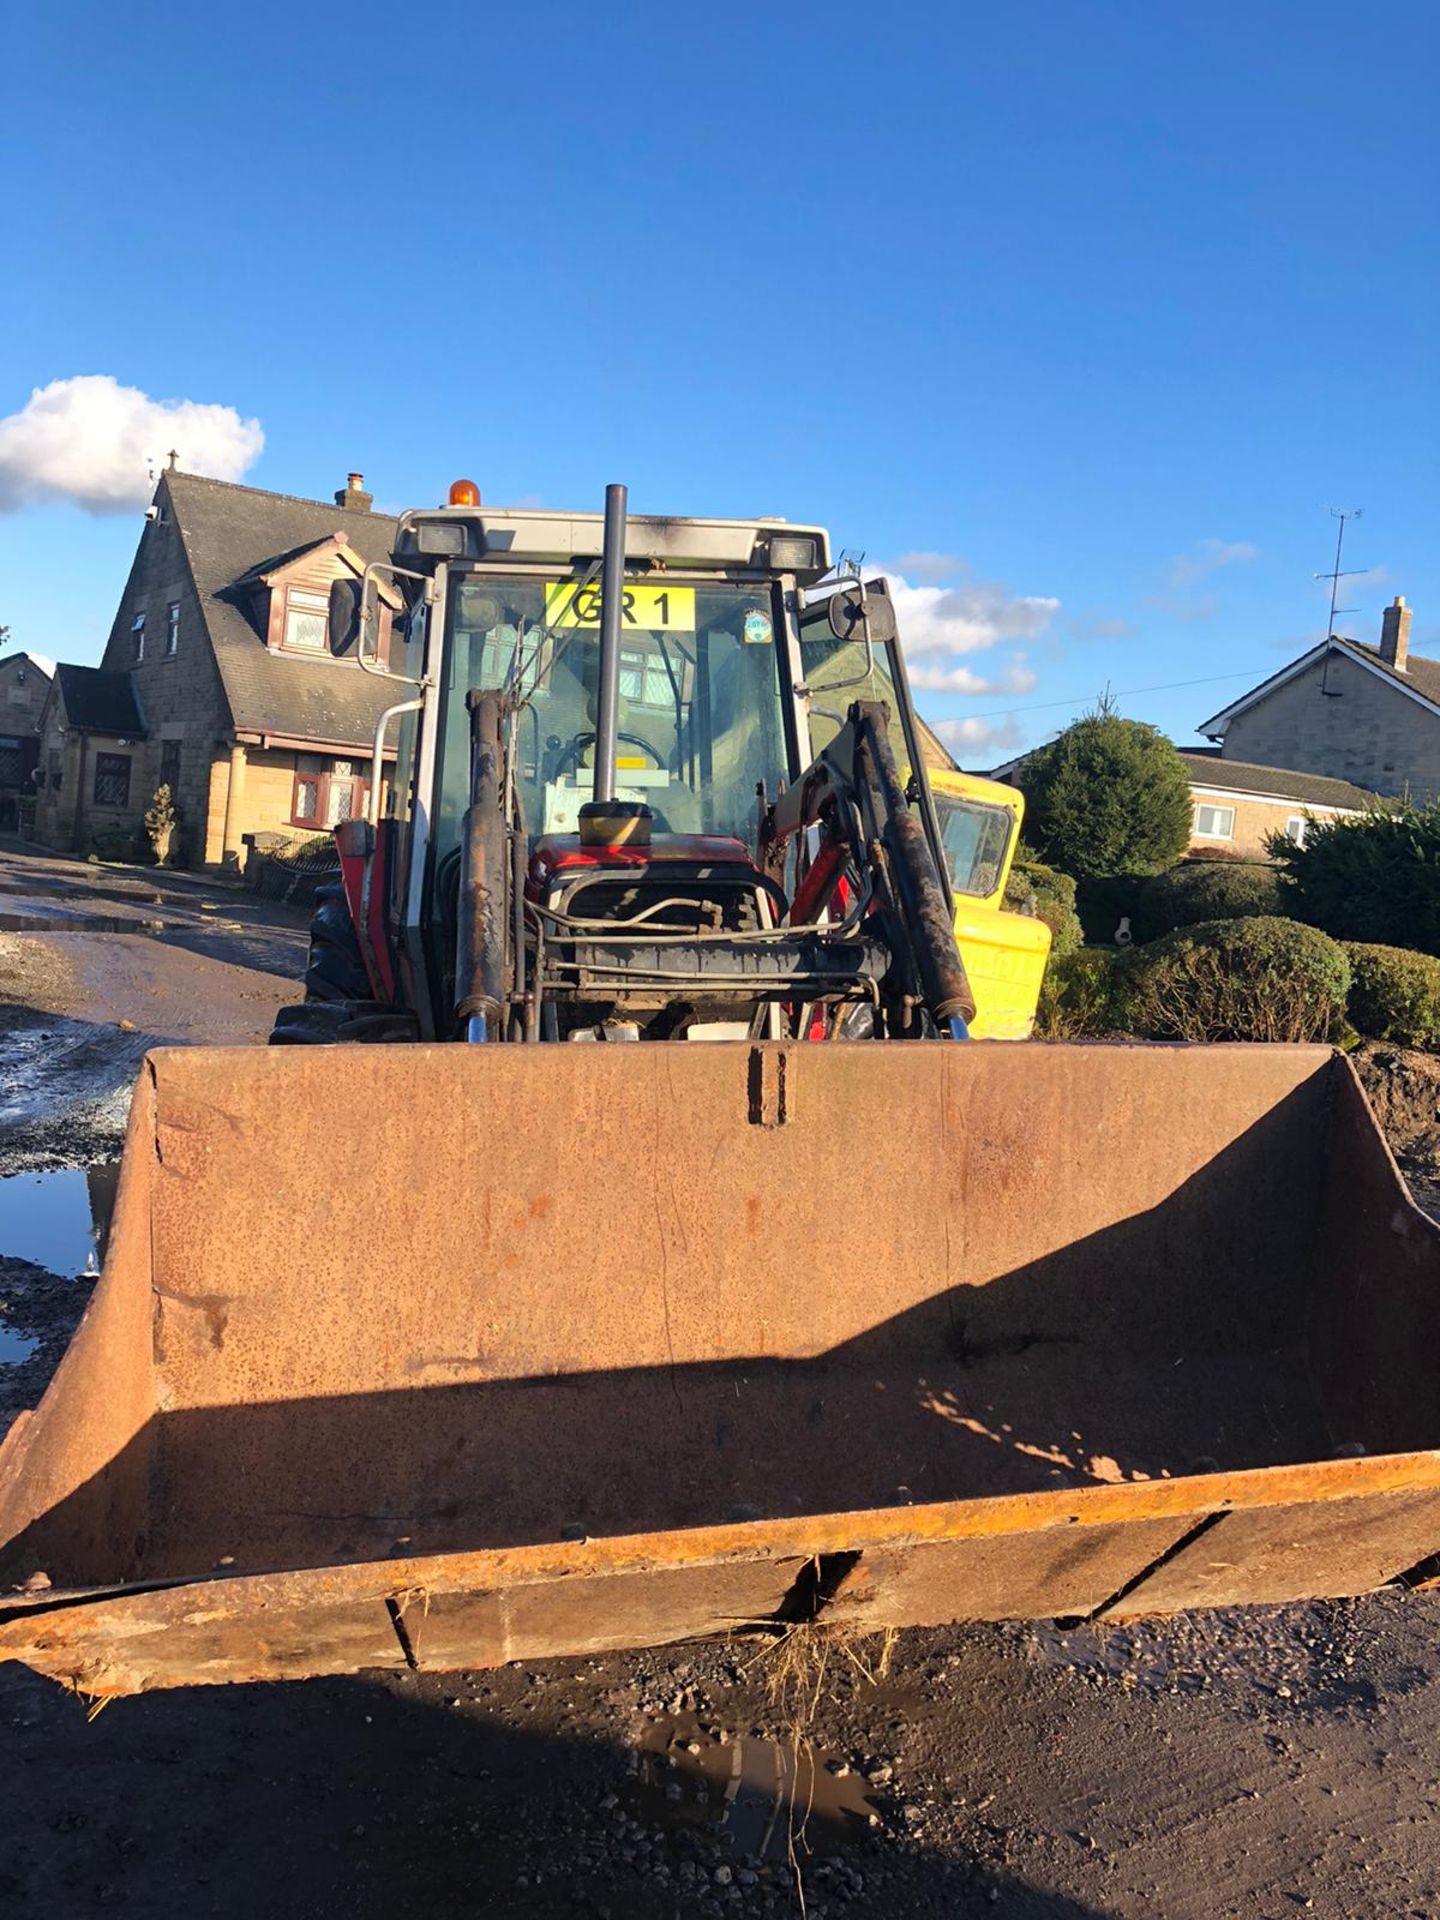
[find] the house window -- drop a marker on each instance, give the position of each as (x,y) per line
(170,765)
(137,639)
(1295,828)
(326,792)
(55,777)
(112,779)
(306,623)
(1214,823)
(172,630)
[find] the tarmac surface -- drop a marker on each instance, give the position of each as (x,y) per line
(1254,1764)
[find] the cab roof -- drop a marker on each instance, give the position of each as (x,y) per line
(538,536)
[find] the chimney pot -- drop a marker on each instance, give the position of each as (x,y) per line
(353,494)
(1395,634)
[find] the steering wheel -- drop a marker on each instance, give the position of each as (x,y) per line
(570,756)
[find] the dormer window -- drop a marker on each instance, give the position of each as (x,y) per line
(288,598)
(306,625)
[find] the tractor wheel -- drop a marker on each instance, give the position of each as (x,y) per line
(338,1009)
(335,970)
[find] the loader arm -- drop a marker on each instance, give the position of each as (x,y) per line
(853,793)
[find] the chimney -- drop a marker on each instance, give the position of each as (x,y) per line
(354,496)
(1395,634)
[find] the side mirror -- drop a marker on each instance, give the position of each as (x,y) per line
(346,614)
(849,607)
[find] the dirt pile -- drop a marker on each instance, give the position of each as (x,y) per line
(1403,1086)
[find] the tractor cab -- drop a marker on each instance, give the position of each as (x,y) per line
(639,733)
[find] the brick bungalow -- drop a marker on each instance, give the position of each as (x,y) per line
(1348,711)
(217,678)
(1237,806)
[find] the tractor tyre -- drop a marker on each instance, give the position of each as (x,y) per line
(338,1009)
(335,969)
(314,1024)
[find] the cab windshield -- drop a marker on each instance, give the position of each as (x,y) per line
(974,837)
(700,699)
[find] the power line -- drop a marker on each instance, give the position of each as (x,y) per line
(1164,686)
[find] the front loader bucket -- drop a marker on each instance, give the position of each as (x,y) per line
(447,1356)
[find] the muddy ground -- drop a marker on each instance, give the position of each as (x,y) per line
(1256,1764)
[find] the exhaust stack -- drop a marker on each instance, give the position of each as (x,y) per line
(612,589)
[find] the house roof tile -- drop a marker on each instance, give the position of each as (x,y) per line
(99,702)
(231,533)
(1275,783)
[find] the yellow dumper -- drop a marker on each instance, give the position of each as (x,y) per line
(1005,952)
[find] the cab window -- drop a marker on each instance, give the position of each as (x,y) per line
(974,837)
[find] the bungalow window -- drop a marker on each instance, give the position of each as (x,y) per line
(172,630)
(1295,828)
(306,625)
(1214,823)
(112,780)
(137,639)
(326,792)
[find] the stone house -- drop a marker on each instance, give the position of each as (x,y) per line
(217,678)
(24,682)
(1347,711)
(1236,807)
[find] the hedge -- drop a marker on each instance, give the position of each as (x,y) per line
(1083,995)
(1259,978)
(1394,994)
(1371,877)
(1209,890)
(1049,895)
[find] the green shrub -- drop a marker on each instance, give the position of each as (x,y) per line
(1050,896)
(1107,796)
(1373,877)
(1083,995)
(1209,890)
(125,845)
(1394,995)
(1261,978)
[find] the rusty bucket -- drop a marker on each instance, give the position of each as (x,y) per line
(446,1356)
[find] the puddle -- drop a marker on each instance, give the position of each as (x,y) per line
(15,1347)
(81,923)
(763,1796)
(57,1220)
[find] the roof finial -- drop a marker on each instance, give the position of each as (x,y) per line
(174,460)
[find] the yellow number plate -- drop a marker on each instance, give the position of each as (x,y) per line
(643,609)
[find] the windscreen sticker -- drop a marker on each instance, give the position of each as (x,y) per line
(642,609)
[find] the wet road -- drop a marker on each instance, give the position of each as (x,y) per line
(99,964)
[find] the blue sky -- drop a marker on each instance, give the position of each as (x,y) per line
(1080,314)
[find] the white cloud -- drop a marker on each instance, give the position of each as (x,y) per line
(978,736)
(1016,678)
(967,617)
(1206,557)
(93,443)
